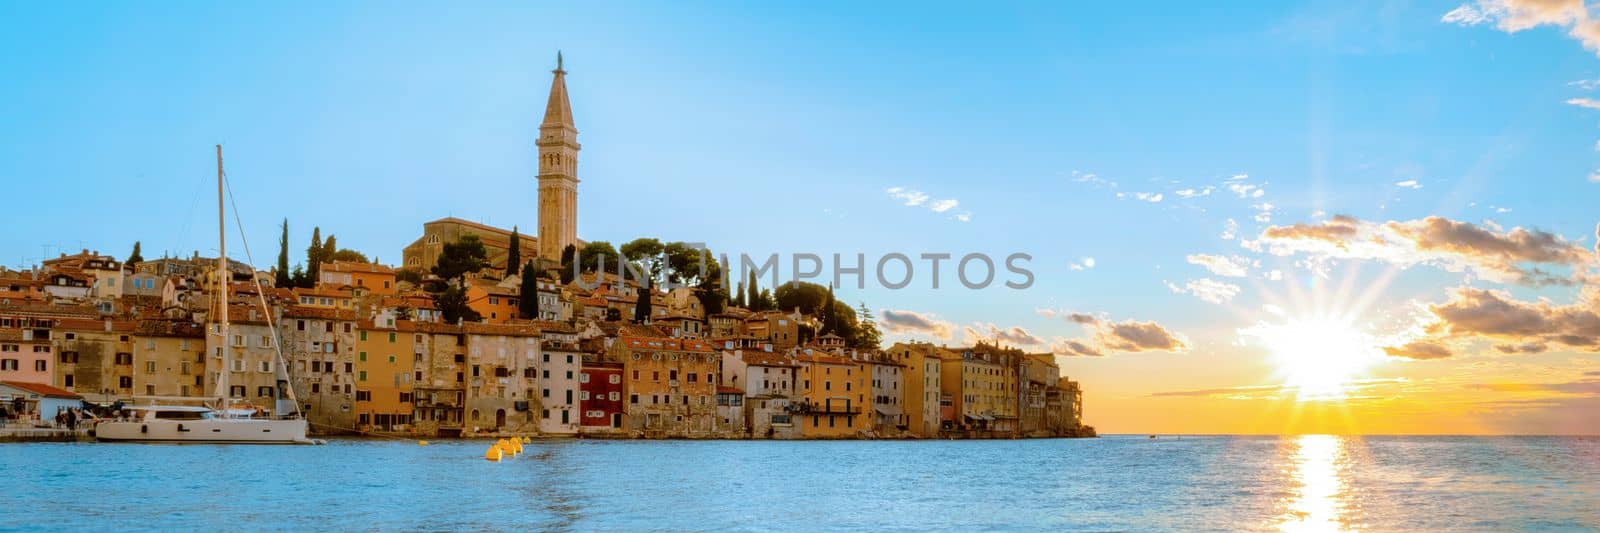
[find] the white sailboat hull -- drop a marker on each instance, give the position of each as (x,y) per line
(212,431)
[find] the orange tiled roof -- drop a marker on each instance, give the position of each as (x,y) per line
(42,389)
(352,266)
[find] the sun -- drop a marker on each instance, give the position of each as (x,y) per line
(1317,357)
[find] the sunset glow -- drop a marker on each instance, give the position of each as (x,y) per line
(1317,357)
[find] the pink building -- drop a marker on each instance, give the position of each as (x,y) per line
(23,359)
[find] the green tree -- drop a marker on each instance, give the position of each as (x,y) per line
(567,254)
(135,257)
(809,297)
(452,304)
(752,293)
(299,278)
(765,302)
(283,278)
(313,259)
(408,275)
(738,296)
(458,258)
(346,254)
(867,336)
(514,253)
(829,320)
(528,297)
(644,253)
(589,258)
(641,307)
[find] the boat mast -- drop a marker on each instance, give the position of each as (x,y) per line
(222,290)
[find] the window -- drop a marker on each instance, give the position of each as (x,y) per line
(266,366)
(40,348)
(264,392)
(363,375)
(124,358)
(40,366)
(614,396)
(10,364)
(363,356)
(632,398)
(569,395)
(583,396)
(391,359)
(616,379)
(546,393)
(363,335)
(363,395)
(584,378)
(236,391)
(300,325)
(149,367)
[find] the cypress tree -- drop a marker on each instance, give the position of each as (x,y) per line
(828,320)
(514,254)
(528,302)
(752,296)
(283,278)
(641,308)
(313,258)
(135,257)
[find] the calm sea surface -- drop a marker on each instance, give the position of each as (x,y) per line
(1114,483)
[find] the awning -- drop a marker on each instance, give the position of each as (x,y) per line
(888,410)
(981,417)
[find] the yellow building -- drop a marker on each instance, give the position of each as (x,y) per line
(976,388)
(169,359)
(374,278)
(671,383)
(922,381)
(495,303)
(834,396)
(386,361)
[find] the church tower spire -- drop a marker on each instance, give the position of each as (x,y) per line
(558,170)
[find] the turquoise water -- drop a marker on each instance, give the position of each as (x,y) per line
(1114,483)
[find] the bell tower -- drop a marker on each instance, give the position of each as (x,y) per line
(558,171)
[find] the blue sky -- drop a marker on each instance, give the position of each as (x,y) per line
(781,128)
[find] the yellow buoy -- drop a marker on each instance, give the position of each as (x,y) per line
(526,440)
(422,443)
(494,454)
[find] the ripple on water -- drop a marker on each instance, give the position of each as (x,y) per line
(1205,483)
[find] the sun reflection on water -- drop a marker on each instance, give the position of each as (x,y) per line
(1318,503)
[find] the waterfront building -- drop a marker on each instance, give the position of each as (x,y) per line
(320,347)
(601,395)
(94,357)
(771,386)
(671,383)
(887,380)
(386,365)
(1039,375)
(730,411)
(253,372)
(834,396)
(561,380)
(499,394)
(38,401)
(441,391)
(922,379)
(24,359)
(169,357)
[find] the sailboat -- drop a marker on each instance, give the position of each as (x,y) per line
(224,423)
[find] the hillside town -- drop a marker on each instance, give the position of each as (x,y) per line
(484,331)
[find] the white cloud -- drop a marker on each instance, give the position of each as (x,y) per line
(1148,197)
(1465,15)
(1512,16)
(1233,267)
(1230,229)
(1245,190)
(1195,193)
(1084,264)
(1275,275)
(916,198)
(1594,177)
(1409,184)
(1239,177)
(1584,102)
(1263,212)
(1207,289)
(1587,85)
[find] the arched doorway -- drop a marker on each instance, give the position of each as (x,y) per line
(499,418)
